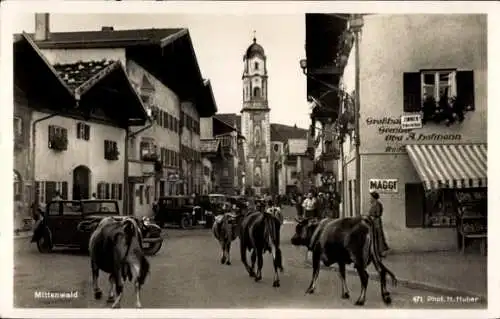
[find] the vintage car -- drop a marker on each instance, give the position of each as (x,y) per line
(181,211)
(61,225)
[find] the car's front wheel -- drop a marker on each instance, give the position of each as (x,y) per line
(44,244)
(185,222)
(151,249)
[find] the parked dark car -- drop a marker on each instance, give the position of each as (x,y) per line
(181,211)
(61,225)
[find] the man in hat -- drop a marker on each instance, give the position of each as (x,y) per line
(376,210)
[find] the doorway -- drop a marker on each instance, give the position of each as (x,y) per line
(81,182)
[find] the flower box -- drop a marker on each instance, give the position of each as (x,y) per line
(150,157)
(112,155)
(58,143)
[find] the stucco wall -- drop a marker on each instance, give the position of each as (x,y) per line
(206,127)
(429,42)
(59,166)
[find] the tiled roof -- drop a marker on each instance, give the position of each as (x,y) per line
(100,38)
(232,119)
(209,146)
(75,74)
(282,133)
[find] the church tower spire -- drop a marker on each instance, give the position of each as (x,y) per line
(255,118)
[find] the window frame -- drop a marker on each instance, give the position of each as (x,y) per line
(110,146)
(452,83)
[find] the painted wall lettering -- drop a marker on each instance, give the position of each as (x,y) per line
(396,137)
(383,185)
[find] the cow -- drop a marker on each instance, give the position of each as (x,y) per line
(225,230)
(343,241)
(116,248)
(260,233)
(276,212)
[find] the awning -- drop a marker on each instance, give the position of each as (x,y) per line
(450,166)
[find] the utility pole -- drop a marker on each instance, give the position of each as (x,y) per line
(355,24)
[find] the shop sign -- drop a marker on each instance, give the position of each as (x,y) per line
(383,185)
(411,121)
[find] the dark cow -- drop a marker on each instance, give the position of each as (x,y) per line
(225,230)
(343,241)
(116,248)
(260,233)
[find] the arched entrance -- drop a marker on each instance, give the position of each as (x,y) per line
(81,182)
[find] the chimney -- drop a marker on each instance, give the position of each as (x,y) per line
(42,31)
(107,28)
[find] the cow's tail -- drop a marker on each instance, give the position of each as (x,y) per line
(144,270)
(272,232)
(375,251)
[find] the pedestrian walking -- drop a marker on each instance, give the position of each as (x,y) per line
(298,206)
(376,210)
(310,206)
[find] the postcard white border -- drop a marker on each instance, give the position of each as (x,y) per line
(8,12)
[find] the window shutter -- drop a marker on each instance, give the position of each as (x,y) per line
(465,88)
(107,195)
(78,128)
(50,191)
(120,191)
(87,132)
(113,191)
(65,136)
(99,191)
(414,203)
(51,134)
(37,192)
(64,190)
(412,92)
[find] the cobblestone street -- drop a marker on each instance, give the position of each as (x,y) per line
(186,274)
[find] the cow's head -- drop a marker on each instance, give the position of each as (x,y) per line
(304,231)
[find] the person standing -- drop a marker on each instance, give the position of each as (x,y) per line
(310,206)
(298,206)
(376,211)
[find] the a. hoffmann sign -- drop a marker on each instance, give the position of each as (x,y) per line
(383,185)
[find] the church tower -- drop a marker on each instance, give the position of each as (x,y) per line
(255,122)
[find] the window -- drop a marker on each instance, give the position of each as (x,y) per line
(110,150)
(140,192)
(256,65)
(431,209)
(439,94)
(206,170)
(147,148)
(18,186)
(18,126)
(46,190)
(256,92)
(276,148)
(147,194)
(82,131)
(58,138)
(162,188)
(116,191)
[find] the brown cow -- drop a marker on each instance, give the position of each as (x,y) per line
(343,241)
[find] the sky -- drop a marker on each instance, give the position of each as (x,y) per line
(220,42)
